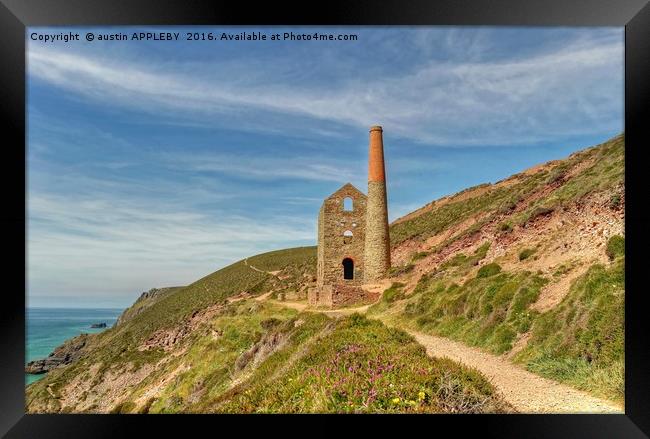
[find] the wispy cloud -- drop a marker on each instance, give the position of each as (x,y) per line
(97,243)
(517,100)
(265,167)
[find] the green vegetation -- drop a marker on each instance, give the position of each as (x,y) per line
(581,341)
(605,170)
(419,255)
(505,227)
(117,347)
(293,265)
(526,253)
(487,311)
(462,263)
(216,361)
(299,257)
(615,247)
(145,302)
(489,270)
(251,356)
(357,365)
(394,293)
(400,270)
(436,220)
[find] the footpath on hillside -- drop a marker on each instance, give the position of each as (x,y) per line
(525,391)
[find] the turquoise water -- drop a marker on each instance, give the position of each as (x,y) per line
(47,328)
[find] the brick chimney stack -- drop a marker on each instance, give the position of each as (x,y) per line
(377,245)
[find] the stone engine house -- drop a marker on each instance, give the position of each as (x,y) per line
(353,240)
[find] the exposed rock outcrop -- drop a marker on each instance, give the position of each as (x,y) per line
(70,351)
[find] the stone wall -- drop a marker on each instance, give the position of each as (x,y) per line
(344,295)
(334,296)
(333,246)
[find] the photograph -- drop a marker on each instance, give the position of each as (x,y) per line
(325,219)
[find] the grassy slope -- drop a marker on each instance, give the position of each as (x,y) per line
(143,303)
(606,170)
(348,365)
(117,346)
(580,341)
(403,378)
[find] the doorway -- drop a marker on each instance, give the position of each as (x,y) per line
(348,269)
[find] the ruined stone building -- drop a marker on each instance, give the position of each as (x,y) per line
(353,240)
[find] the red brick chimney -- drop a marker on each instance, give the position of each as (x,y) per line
(377,245)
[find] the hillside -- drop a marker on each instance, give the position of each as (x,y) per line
(529,268)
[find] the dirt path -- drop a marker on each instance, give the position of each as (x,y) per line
(527,392)
(272,273)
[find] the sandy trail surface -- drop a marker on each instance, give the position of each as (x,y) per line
(527,392)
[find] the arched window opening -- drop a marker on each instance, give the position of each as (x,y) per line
(347,236)
(347,204)
(348,269)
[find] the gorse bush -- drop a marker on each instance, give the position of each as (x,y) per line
(526,253)
(394,293)
(464,262)
(419,255)
(615,247)
(489,270)
(400,269)
(505,227)
(615,201)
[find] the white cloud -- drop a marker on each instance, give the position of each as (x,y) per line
(265,167)
(97,244)
(574,90)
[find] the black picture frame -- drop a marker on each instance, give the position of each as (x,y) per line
(16,15)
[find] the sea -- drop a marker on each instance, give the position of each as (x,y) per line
(47,328)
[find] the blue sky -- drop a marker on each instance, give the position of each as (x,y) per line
(155,163)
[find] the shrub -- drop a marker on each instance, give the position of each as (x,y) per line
(615,201)
(393,293)
(123,407)
(270,323)
(399,270)
(419,255)
(507,207)
(615,247)
(556,174)
(540,211)
(505,227)
(488,270)
(526,253)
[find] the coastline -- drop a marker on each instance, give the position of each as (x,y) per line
(49,328)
